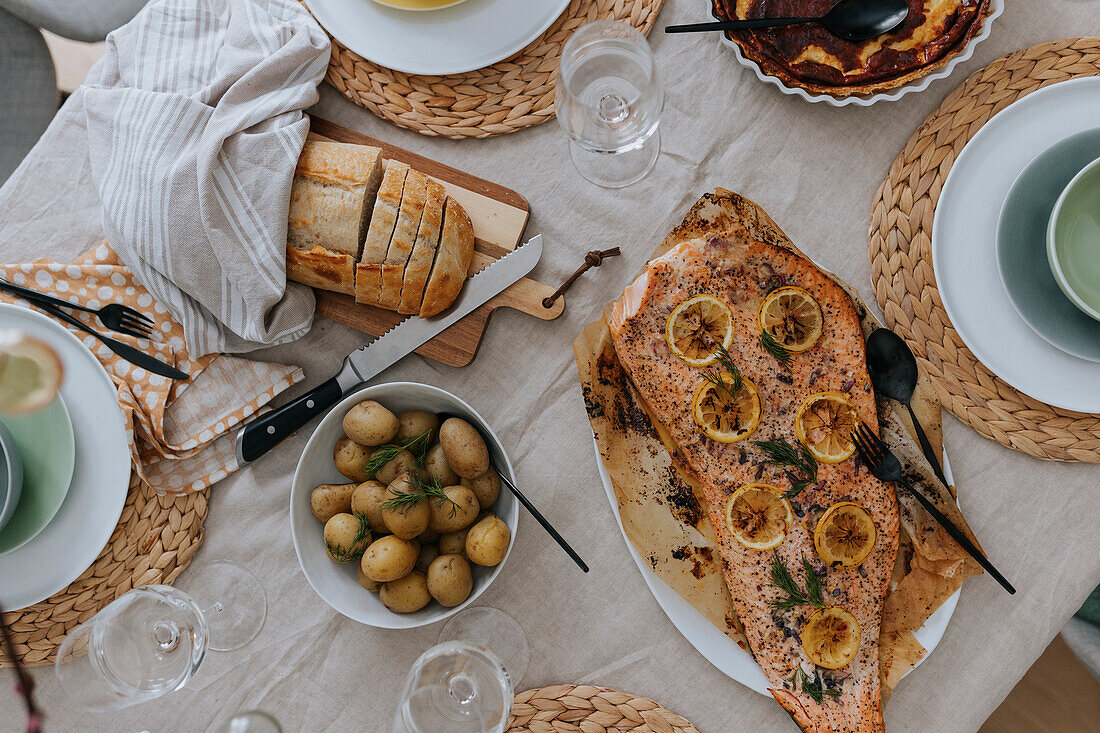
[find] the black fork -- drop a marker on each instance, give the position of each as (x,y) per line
(116,317)
(886,467)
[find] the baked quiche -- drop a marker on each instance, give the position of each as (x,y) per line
(810,57)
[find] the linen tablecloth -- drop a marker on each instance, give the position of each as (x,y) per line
(815,170)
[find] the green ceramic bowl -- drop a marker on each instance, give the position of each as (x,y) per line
(1073,240)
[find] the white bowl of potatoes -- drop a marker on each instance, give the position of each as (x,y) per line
(386,530)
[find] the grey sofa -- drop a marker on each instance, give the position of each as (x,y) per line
(28,88)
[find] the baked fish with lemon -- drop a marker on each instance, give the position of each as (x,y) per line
(753,359)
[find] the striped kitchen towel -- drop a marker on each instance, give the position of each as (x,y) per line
(195,122)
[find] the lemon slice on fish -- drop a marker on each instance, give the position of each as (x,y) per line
(30,373)
(830,637)
(758,516)
(792,317)
(824,423)
(697,327)
(845,535)
(726,417)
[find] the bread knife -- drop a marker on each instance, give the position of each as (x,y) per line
(270,429)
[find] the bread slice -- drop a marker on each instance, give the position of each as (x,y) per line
(332,196)
(321,268)
(404,239)
(452,260)
(368,274)
(423,254)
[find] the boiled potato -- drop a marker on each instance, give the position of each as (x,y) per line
(328,500)
(351,459)
(389,558)
(485,487)
(370,424)
(487,541)
(366,582)
(414,423)
(458,513)
(346,537)
(453,543)
(428,537)
(408,521)
(450,579)
(427,554)
(435,463)
(465,450)
(406,595)
(403,462)
(367,501)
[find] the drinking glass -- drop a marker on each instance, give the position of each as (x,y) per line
(253,721)
(456,687)
(151,640)
(609,102)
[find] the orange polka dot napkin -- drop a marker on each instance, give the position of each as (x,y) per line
(181,432)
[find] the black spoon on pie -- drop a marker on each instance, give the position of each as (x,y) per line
(852,20)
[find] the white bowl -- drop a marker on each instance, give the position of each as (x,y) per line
(336,583)
(996,7)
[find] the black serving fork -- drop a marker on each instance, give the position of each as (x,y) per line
(886,467)
(116,317)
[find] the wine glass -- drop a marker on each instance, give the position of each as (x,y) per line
(456,687)
(150,641)
(609,102)
(253,721)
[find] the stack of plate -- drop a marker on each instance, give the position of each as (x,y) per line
(76,471)
(989,245)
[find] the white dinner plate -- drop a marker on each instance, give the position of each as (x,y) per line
(453,40)
(719,649)
(964,252)
(76,535)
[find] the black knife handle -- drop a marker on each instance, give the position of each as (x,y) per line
(926,447)
(267,431)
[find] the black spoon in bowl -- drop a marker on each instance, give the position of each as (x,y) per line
(893,370)
(852,20)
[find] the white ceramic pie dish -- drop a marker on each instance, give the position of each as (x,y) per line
(336,583)
(996,7)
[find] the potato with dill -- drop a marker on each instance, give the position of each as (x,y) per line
(465,450)
(436,466)
(346,537)
(389,558)
(370,424)
(455,509)
(328,500)
(367,500)
(350,459)
(413,423)
(487,541)
(405,510)
(401,462)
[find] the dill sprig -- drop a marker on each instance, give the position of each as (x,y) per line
(776,349)
(793,594)
(797,458)
(812,686)
(420,489)
(352,551)
(717,377)
(418,446)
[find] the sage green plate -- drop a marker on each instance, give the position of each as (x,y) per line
(45,442)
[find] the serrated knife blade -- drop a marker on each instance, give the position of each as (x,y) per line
(267,431)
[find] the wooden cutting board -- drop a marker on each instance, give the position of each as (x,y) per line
(499,216)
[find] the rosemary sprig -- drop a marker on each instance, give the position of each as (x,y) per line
(794,595)
(717,377)
(420,489)
(812,686)
(797,458)
(776,349)
(355,550)
(418,446)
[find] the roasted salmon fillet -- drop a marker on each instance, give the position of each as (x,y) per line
(741,271)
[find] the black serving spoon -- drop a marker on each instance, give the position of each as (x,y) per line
(443,417)
(893,370)
(852,20)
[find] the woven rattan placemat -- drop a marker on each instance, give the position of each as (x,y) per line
(901,257)
(498,99)
(588,709)
(154,541)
